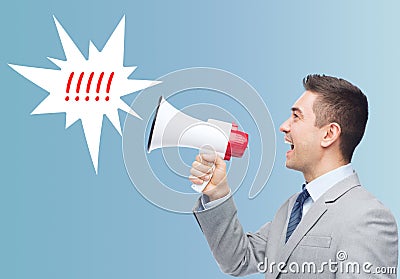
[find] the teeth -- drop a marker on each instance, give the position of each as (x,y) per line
(290,143)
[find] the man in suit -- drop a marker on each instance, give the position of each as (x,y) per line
(334,228)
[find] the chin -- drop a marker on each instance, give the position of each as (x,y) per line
(292,166)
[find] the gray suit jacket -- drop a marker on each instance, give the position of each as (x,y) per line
(347,225)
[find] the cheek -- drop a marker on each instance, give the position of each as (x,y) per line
(309,143)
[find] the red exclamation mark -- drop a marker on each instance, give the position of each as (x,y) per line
(88,85)
(99,85)
(109,85)
(78,86)
(71,75)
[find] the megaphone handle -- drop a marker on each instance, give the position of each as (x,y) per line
(200,188)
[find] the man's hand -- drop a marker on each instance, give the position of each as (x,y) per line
(202,170)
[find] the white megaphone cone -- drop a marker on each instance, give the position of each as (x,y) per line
(174,128)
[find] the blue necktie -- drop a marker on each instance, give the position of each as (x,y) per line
(297,212)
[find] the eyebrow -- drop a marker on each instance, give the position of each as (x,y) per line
(296,109)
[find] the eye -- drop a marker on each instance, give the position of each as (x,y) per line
(295,115)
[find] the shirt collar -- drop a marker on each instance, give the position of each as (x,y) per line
(322,184)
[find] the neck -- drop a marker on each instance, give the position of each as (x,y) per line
(323,168)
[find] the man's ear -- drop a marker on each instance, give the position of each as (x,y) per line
(331,134)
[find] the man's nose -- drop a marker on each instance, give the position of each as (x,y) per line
(285,126)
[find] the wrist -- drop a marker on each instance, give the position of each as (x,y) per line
(217,192)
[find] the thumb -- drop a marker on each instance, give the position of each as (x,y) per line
(213,159)
(219,173)
(220,164)
(218,185)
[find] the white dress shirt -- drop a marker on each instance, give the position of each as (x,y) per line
(322,184)
(315,188)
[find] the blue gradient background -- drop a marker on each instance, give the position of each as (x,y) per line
(60,220)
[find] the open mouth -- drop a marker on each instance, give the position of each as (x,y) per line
(290,143)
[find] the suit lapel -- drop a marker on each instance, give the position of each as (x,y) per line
(341,188)
(317,210)
(313,215)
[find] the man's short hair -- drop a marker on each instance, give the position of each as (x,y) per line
(342,102)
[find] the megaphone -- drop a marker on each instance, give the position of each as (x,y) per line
(172,127)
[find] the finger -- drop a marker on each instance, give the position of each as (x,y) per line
(209,158)
(201,167)
(200,174)
(199,158)
(196,180)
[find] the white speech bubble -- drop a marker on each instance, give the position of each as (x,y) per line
(87,89)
